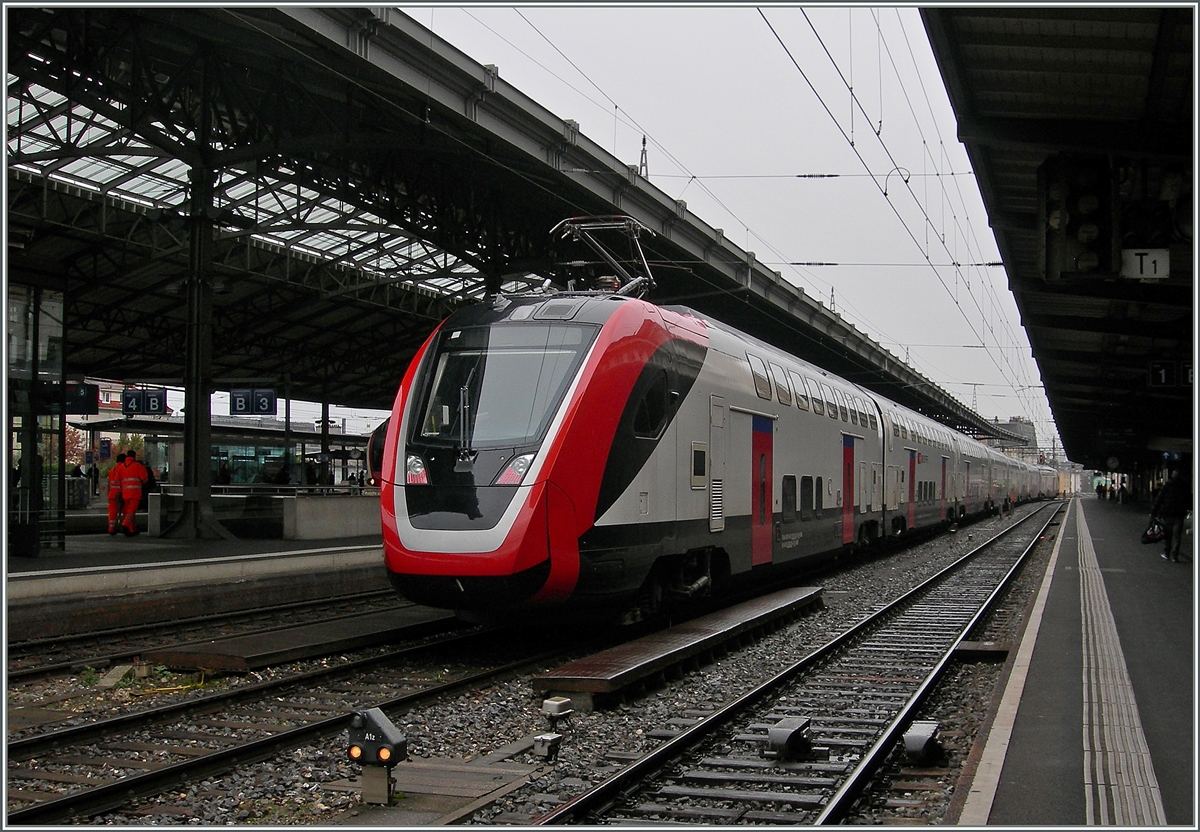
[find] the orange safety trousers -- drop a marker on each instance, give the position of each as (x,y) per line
(130,513)
(114,502)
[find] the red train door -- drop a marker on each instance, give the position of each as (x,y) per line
(847,488)
(912,489)
(761,501)
(943,489)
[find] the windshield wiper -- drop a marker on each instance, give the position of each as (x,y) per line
(466,456)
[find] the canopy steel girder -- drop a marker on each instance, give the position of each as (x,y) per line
(355,135)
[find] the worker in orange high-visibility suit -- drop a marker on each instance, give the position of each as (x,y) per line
(114,495)
(133,477)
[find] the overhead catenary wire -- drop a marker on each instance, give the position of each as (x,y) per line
(929,221)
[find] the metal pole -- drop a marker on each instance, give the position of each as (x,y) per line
(197,520)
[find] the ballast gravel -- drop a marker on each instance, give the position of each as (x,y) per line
(307,786)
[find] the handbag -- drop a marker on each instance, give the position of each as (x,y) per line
(1154,533)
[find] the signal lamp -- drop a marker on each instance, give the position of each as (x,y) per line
(375,740)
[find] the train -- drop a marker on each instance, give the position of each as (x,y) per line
(589,449)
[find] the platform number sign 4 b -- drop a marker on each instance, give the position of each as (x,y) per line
(143,402)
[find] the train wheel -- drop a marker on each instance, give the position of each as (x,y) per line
(647,604)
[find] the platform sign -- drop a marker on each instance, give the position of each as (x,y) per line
(73,397)
(1146,263)
(240,402)
(105,448)
(131,402)
(155,402)
(264,402)
(1162,373)
(252,402)
(151,402)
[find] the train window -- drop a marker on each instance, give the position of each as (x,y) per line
(789,499)
(806,498)
(830,404)
(762,384)
(862,411)
(798,386)
(651,413)
(819,497)
(508,380)
(699,464)
(782,389)
(814,390)
(841,400)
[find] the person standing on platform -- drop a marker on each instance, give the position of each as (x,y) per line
(114,495)
(133,477)
(1170,507)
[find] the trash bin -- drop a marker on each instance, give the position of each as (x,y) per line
(77,492)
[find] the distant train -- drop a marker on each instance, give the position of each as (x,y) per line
(596,450)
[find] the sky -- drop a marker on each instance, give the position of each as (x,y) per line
(820,138)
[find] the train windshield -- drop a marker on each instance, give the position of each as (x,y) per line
(500,385)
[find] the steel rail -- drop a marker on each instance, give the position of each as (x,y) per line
(108,659)
(838,803)
(116,794)
(606,792)
(28,747)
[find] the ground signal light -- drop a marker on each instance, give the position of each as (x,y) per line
(375,741)
(378,745)
(1075,213)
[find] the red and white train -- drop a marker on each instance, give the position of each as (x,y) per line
(596,450)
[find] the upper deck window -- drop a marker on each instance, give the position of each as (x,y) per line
(798,386)
(783,390)
(762,384)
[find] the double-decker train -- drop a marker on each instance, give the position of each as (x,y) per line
(593,449)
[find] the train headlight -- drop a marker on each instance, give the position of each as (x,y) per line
(515,470)
(414,471)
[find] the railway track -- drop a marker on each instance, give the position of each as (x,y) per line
(37,658)
(848,702)
(90,769)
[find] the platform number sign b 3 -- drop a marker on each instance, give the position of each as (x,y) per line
(252,402)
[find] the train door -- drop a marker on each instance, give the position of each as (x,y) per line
(942,488)
(862,496)
(876,485)
(912,488)
(762,514)
(891,500)
(847,488)
(716,464)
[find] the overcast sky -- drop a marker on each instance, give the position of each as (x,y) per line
(749,117)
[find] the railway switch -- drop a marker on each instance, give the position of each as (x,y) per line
(788,738)
(921,741)
(377,744)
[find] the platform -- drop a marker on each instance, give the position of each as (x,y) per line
(1097,723)
(96,579)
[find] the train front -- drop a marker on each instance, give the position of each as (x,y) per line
(469,514)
